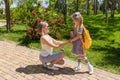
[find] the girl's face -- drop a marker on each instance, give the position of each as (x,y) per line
(46,30)
(76,22)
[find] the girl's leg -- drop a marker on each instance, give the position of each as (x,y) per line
(79,63)
(90,67)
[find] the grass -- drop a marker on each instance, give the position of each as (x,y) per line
(105,50)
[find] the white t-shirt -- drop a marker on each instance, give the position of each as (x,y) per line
(46,50)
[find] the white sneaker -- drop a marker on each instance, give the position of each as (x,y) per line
(90,67)
(77,68)
(53,67)
(45,65)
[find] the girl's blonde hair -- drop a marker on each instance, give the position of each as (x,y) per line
(78,16)
(40,27)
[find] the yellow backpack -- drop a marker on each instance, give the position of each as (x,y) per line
(87,39)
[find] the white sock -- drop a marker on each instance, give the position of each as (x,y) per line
(87,61)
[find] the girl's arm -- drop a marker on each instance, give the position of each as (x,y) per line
(71,34)
(79,36)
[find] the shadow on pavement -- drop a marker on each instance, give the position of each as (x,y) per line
(37,69)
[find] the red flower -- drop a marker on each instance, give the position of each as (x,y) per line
(34,12)
(47,15)
(36,30)
(28,33)
(30,29)
(31,23)
(59,21)
(62,19)
(53,22)
(38,20)
(48,8)
(12,23)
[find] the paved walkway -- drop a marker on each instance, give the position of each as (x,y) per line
(21,63)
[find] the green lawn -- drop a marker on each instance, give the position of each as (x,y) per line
(105,50)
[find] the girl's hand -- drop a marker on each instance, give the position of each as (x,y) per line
(65,43)
(71,34)
(70,41)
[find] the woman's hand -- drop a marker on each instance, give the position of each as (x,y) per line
(65,43)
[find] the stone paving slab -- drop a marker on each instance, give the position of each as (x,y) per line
(21,63)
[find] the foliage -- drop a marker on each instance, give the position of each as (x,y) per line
(54,19)
(30,15)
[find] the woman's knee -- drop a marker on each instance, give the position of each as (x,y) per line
(63,54)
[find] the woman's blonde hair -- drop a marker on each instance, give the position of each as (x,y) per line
(40,26)
(78,16)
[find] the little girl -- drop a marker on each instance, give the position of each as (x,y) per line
(77,39)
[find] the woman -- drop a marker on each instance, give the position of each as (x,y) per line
(47,44)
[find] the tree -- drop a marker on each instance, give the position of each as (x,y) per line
(106,8)
(118,9)
(88,6)
(62,7)
(95,6)
(7,11)
(1,4)
(112,7)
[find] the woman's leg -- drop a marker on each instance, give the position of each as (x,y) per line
(58,60)
(61,62)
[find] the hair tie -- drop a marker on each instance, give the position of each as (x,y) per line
(77,14)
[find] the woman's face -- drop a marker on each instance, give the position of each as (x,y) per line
(46,29)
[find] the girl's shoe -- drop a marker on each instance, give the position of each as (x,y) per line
(53,67)
(77,68)
(90,67)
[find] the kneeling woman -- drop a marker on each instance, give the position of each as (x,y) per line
(47,45)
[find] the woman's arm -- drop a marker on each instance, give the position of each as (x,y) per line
(51,44)
(57,42)
(65,43)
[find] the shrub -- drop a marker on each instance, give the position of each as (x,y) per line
(54,19)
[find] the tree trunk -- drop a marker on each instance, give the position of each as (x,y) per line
(113,8)
(119,7)
(106,8)
(7,10)
(62,7)
(77,5)
(88,7)
(95,7)
(103,7)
